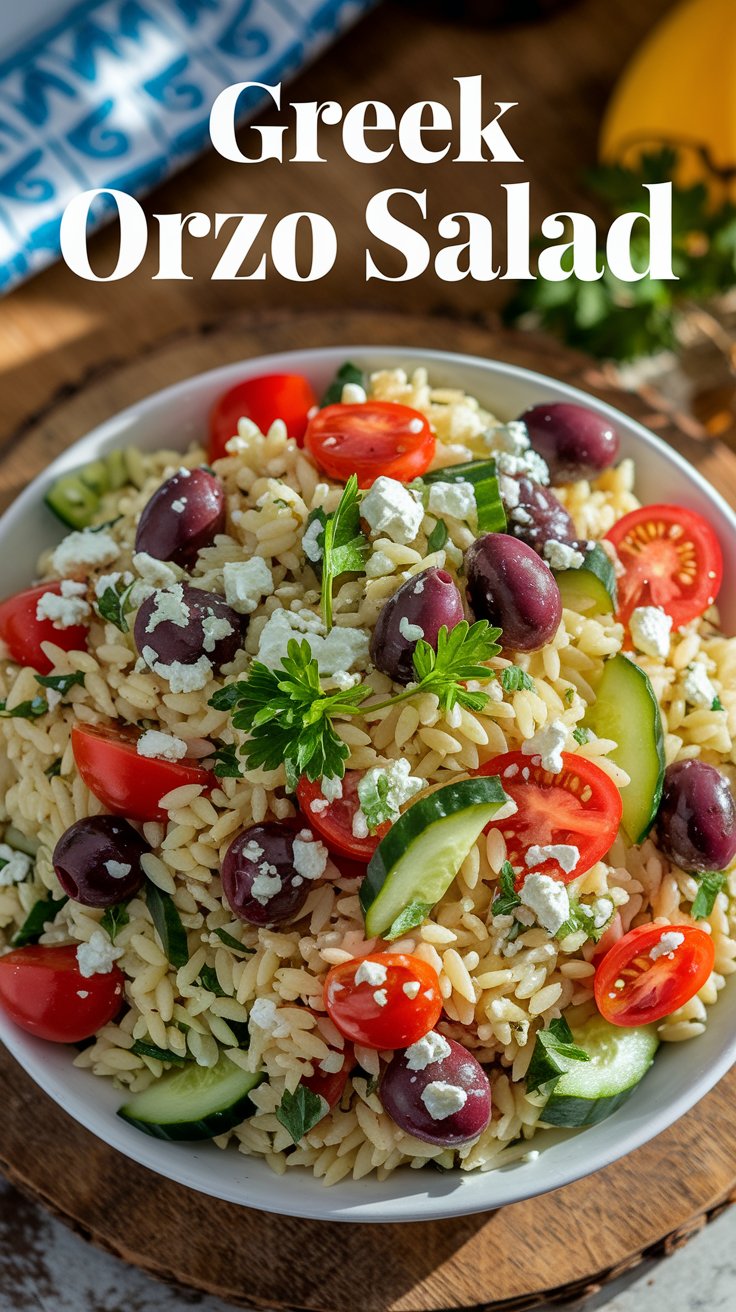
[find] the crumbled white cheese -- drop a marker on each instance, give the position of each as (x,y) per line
(82,551)
(117,869)
(564,854)
(332,1063)
(560,555)
(390,508)
(331,786)
(342,648)
(548,744)
(163,746)
(66,608)
(180,677)
(360,824)
(454,499)
(548,899)
(401,785)
(442,1099)
(353,394)
(697,687)
(263,1015)
(98,956)
(411,988)
(310,542)
(650,629)
(17,867)
(157,573)
(528,464)
(266,884)
(246,583)
(310,857)
(214,628)
(380,997)
(179,505)
(667,945)
(341,680)
(412,632)
(521,516)
(106,581)
(426,1051)
(253,850)
(371,972)
(379,564)
(319,805)
(509,490)
(169,607)
(512,437)
(602,910)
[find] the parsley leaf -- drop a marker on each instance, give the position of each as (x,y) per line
(374,789)
(53,770)
(226,762)
(438,536)
(515,680)
(143,1048)
(208,980)
(554,1052)
(114,919)
(344,547)
(581,735)
(716,704)
(30,710)
(457,658)
(710,884)
(115,604)
(41,914)
(569,696)
(299,1111)
(61,682)
(168,926)
(582,917)
(507,898)
(414,914)
(231,941)
(347,373)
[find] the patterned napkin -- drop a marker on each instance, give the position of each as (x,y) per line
(118,94)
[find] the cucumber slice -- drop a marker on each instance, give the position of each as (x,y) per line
(414,865)
(591,1090)
(72,501)
(484,478)
(95,476)
(591,589)
(197,1102)
(626,710)
(117,470)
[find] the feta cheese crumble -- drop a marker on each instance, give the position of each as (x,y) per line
(442,1099)
(564,854)
(371,972)
(64,609)
(214,627)
(411,988)
(84,550)
(309,856)
(390,508)
(353,394)
(454,499)
(548,744)
(342,648)
(667,946)
(380,997)
(17,867)
(331,787)
(560,555)
(548,899)
(426,1051)
(697,687)
(117,869)
(266,884)
(527,464)
(98,956)
(161,746)
(180,677)
(169,607)
(310,541)
(412,632)
(247,582)
(650,629)
(400,786)
(157,573)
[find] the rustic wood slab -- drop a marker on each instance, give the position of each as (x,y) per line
(558,1247)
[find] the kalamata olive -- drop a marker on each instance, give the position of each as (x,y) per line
(447,1101)
(98,860)
(510,586)
(180,625)
(574,441)
(418,609)
(538,515)
(269,870)
(184,515)
(696,822)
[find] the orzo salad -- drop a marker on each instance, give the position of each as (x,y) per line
(367,778)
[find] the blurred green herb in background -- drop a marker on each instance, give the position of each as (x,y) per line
(621,320)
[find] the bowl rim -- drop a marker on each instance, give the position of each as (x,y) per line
(467,1195)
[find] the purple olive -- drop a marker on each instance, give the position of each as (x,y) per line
(268,871)
(180,624)
(184,515)
(696,821)
(575,442)
(98,860)
(447,1103)
(510,586)
(538,516)
(418,609)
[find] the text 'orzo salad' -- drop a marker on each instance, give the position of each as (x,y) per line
(368,778)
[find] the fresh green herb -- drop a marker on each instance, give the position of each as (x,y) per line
(581,735)
(458,658)
(208,980)
(168,926)
(231,942)
(507,898)
(54,770)
(347,373)
(554,1050)
(30,710)
(515,931)
(582,917)
(102,528)
(226,762)
(569,696)
(41,914)
(299,1111)
(374,803)
(412,915)
(61,682)
(710,884)
(438,536)
(515,680)
(115,604)
(344,547)
(484,478)
(716,704)
(144,1049)
(114,919)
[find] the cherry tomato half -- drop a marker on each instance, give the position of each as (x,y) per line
(43,990)
(671,558)
(334,823)
(652,971)
(383,1014)
(330,1085)
(23,633)
(273,396)
(126,783)
(580,806)
(369,439)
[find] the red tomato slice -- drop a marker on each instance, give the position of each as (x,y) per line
(373,438)
(334,823)
(44,992)
(23,634)
(273,396)
(330,1085)
(639,981)
(581,807)
(383,1015)
(126,783)
(671,557)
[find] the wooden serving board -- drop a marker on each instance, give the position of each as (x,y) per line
(559,1247)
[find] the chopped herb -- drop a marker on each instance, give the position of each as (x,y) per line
(438,536)
(581,917)
(168,926)
(208,980)
(457,658)
(507,898)
(299,1111)
(581,735)
(347,373)
(374,800)
(515,931)
(554,1051)
(30,710)
(344,547)
(710,884)
(61,682)
(515,680)
(371,1084)
(226,762)
(231,942)
(569,696)
(41,914)
(115,604)
(142,1048)
(716,704)
(54,770)
(114,919)
(415,914)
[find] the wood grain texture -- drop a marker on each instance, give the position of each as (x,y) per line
(559,1246)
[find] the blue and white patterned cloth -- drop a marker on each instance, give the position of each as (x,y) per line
(118,94)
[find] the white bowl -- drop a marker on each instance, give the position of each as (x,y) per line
(177,417)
